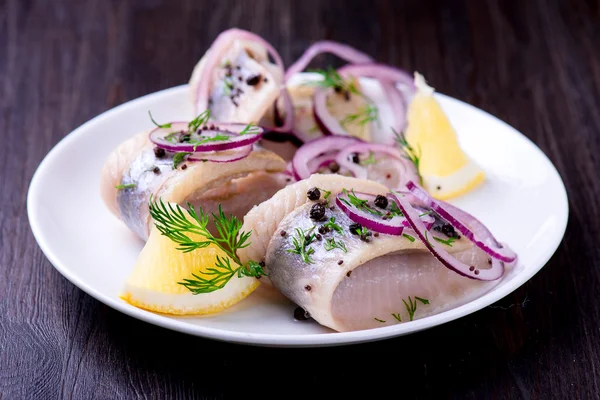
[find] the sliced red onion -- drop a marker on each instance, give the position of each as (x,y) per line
(343,51)
(321,161)
(222,156)
(404,167)
(231,130)
(478,234)
(288,122)
(326,122)
(315,148)
(495,272)
(389,77)
(373,221)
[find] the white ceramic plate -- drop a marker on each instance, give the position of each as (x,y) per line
(96,252)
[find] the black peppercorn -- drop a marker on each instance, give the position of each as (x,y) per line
(159,152)
(308,288)
(334,167)
(253,80)
(355,158)
(184,166)
(340,262)
(301,314)
(283,233)
(317,212)
(313,194)
(319,237)
(381,201)
(156,170)
(323,230)
(355,228)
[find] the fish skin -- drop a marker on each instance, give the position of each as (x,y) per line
(255,100)
(312,286)
(263,220)
(132,163)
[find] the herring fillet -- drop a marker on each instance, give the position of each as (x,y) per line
(134,161)
(263,220)
(372,279)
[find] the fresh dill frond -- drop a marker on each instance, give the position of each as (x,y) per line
(397,316)
(395,211)
(332,79)
(362,117)
(414,155)
(301,242)
(125,186)
(331,244)
(356,202)
(412,239)
(369,160)
(379,320)
(250,129)
(178,158)
(411,305)
(178,224)
(200,120)
(164,126)
(333,226)
(447,242)
(326,194)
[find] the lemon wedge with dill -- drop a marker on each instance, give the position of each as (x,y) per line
(154,283)
(446,170)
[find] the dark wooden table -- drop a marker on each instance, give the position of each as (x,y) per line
(534,64)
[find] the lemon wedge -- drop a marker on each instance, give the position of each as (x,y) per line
(153,284)
(446,170)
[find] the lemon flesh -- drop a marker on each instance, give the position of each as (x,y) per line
(446,170)
(153,284)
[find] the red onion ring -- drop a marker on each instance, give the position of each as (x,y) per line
(157,136)
(495,272)
(316,148)
(343,51)
(394,226)
(325,121)
(321,161)
(405,168)
(222,156)
(479,234)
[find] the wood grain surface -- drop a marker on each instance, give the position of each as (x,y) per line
(532,63)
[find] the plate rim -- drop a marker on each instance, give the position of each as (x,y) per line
(270,339)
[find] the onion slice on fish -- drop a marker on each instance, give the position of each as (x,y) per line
(396,160)
(497,267)
(375,218)
(478,234)
(343,51)
(214,137)
(222,156)
(315,148)
(389,77)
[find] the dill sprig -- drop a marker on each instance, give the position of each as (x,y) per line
(164,126)
(333,226)
(200,120)
(411,305)
(363,116)
(379,320)
(447,242)
(250,129)
(178,158)
(331,244)
(407,236)
(395,211)
(125,186)
(332,79)
(397,316)
(412,154)
(178,224)
(356,202)
(369,160)
(301,242)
